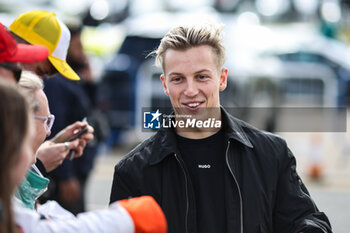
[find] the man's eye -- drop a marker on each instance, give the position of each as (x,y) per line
(202,77)
(176,79)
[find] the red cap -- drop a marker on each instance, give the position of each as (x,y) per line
(10,51)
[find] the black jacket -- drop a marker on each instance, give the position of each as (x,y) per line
(263,190)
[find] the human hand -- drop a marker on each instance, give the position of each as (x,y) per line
(68,132)
(69,190)
(52,154)
(146,214)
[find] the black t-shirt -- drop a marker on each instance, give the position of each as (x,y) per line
(205,162)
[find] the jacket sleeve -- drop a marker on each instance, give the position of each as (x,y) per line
(124,184)
(112,220)
(41,167)
(295,211)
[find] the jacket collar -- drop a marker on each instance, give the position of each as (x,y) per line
(168,144)
(234,128)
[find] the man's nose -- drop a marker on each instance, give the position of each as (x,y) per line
(191,89)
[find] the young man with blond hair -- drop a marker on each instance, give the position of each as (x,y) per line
(229,177)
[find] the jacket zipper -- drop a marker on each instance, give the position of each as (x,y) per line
(187,201)
(239,190)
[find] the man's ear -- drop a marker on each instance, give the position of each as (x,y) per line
(165,87)
(223,79)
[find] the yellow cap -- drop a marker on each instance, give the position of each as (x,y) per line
(44,28)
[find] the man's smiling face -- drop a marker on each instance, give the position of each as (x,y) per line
(192,79)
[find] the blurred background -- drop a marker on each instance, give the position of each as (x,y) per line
(280,54)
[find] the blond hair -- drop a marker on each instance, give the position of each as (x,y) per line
(30,83)
(189,36)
